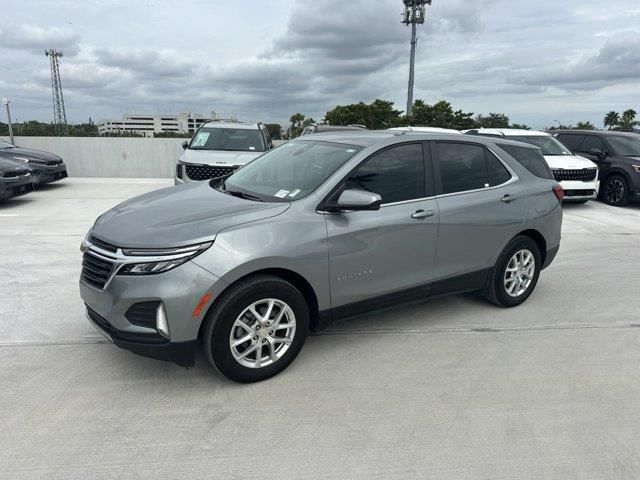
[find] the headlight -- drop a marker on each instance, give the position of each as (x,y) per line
(636,168)
(154,261)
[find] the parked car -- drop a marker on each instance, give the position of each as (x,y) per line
(220,148)
(425,130)
(577,175)
(15,179)
(44,167)
(617,154)
(315,230)
(315,128)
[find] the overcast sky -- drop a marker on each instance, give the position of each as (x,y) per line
(538,62)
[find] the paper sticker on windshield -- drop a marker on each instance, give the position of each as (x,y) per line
(294,193)
(282,193)
(252,148)
(351,150)
(201,139)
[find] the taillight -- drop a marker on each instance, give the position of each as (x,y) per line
(558,191)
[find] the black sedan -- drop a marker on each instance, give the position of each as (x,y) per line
(15,179)
(44,167)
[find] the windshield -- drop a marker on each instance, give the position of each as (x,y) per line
(231,139)
(626,146)
(4,145)
(291,171)
(548,144)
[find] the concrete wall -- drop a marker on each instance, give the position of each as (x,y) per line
(111,156)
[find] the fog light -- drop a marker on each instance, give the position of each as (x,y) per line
(161,321)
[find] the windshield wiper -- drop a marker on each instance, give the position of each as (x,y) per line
(246,196)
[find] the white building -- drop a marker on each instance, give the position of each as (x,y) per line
(149,125)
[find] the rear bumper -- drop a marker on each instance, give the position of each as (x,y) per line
(182,353)
(550,256)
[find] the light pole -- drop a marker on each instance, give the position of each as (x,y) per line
(413,14)
(6,104)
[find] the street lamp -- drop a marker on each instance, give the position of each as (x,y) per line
(5,102)
(413,14)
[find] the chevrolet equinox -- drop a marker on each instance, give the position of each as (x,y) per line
(322,227)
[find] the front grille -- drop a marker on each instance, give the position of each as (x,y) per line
(179,171)
(583,175)
(103,245)
(54,162)
(206,172)
(15,173)
(143,314)
(95,271)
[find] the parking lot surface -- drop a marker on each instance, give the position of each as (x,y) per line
(451,388)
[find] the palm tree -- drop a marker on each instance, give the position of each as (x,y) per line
(611,119)
(628,119)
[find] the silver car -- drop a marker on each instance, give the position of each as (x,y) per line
(320,228)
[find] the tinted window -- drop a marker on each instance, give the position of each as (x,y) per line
(530,158)
(498,174)
(232,139)
(462,167)
(572,141)
(592,142)
(396,174)
(292,171)
(625,145)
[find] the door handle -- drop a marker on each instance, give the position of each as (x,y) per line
(420,214)
(508,198)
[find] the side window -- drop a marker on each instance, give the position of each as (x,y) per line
(462,167)
(396,174)
(498,174)
(529,158)
(592,142)
(573,142)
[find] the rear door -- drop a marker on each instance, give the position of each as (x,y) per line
(482,204)
(373,253)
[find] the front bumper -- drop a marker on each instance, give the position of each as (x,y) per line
(15,187)
(43,174)
(179,290)
(579,191)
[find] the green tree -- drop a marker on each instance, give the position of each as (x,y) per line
(493,120)
(628,119)
(379,114)
(275,130)
(440,114)
(611,119)
(585,126)
(297,123)
(520,126)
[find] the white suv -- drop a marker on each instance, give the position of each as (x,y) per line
(577,175)
(219,148)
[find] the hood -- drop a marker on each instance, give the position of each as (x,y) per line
(568,162)
(37,155)
(218,157)
(178,216)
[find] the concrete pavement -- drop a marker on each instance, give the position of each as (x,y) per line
(452,388)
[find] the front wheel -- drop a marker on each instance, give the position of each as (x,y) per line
(515,274)
(615,191)
(257,329)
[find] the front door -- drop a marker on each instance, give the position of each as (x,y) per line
(373,253)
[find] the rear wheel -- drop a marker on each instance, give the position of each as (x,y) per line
(615,191)
(257,329)
(515,274)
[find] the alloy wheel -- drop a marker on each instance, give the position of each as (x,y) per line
(262,333)
(519,273)
(614,190)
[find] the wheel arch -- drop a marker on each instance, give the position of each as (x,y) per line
(537,237)
(294,278)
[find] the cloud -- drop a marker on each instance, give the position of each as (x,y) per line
(147,63)
(34,38)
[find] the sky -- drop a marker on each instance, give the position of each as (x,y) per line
(539,62)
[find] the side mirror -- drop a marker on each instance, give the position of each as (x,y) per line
(597,152)
(185,144)
(354,199)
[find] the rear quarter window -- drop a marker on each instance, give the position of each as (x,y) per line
(529,158)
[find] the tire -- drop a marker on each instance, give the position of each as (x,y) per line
(615,191)
(223,328)
(496,290)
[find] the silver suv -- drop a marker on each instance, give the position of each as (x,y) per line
(320,228)
(219,148)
